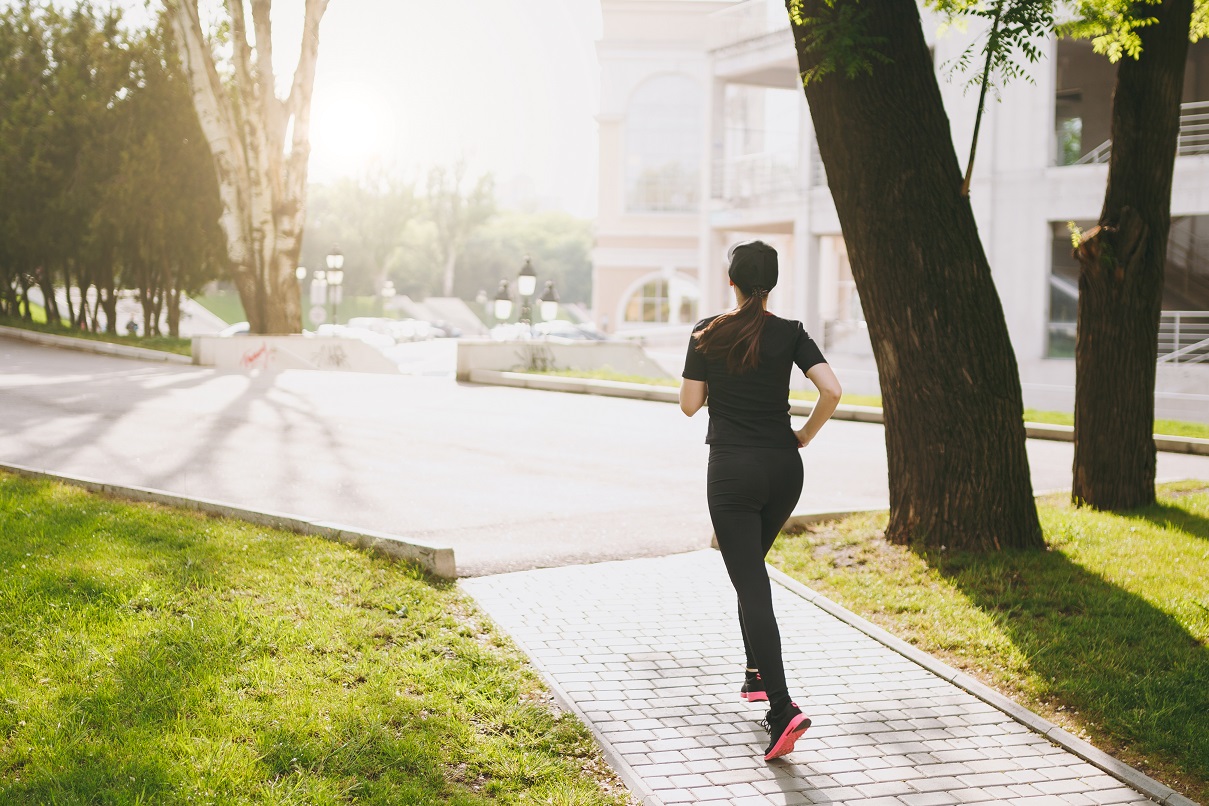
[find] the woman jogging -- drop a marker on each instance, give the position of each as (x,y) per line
(742,360)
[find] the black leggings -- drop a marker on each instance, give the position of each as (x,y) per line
(752,492)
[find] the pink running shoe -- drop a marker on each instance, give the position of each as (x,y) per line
(784,729)
(753,689)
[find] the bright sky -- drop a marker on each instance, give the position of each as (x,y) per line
(511,86)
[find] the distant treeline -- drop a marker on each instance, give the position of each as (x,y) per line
(107,186)
(105,179)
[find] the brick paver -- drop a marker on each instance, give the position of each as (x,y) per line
(648,652)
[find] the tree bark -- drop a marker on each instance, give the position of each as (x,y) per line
(1121,263)
(958,471)
(261,172)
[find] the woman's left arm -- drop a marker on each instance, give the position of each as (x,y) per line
(828,385)
(692,396)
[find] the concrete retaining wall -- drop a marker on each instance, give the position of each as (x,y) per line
(507,356)
(275,353)
(93,346)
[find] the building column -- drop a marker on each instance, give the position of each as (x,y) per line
(713,154)
(806,273)
(673,295)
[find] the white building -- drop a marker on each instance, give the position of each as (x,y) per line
(727,73)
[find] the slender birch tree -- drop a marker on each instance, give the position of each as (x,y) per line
(260,145)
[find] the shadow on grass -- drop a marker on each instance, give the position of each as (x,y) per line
(145,670)
(1173,517)
(1100,650)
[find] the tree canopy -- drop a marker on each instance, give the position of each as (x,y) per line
(107,184)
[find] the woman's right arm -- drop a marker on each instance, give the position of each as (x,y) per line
(828,385)
(692,396)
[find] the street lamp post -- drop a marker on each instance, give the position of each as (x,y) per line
(526,284)
(335,278)
(300,273)
(549,302)
(388,292)
(503,302)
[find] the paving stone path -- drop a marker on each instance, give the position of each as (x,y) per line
(648,653)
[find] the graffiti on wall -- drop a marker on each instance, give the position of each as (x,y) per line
(257,357)
(330,356)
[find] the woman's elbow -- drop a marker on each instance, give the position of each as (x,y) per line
(830,389)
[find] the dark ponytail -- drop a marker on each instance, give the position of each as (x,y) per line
(734,337)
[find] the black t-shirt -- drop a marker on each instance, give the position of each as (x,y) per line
(753,408)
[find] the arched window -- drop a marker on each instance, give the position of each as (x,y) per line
(660,300)
(663,145)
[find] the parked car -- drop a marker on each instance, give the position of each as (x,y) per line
(563,329)
(378,340)
(444,330)
(237,329)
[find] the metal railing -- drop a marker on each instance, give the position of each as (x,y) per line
(1184,337)
(756,177)
(818,172)
(1193,138)
(745,22)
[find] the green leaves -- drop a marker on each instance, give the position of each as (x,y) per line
(1009,44)
(836,37)
(1111,25)
(107,179)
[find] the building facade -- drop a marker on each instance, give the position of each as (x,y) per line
(1042,165)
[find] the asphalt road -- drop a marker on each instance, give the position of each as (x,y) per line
(510,478)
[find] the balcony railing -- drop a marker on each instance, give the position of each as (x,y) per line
(745,22)
(756,178)
(1193,139)
(1184,337)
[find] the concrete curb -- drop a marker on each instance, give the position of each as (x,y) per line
(615,760)
(91,346)
(437,560)
(860,414)
(1092,755)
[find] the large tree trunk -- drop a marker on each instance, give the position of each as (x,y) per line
(959,474)
(1121,264)
(261,172)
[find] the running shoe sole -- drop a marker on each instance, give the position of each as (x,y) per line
(754,696)
(793,731)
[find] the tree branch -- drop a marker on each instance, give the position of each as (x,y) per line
(274,110)
(992,46)
(241,48)
(298,105)
(217,123)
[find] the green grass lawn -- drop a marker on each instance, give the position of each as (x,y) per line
(164,343)
(1174,428)
(158,656)
(1106,633)
(225,305)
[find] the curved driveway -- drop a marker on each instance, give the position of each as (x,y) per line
(509,478)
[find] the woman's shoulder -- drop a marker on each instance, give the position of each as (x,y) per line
(704,322)
(786,325)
